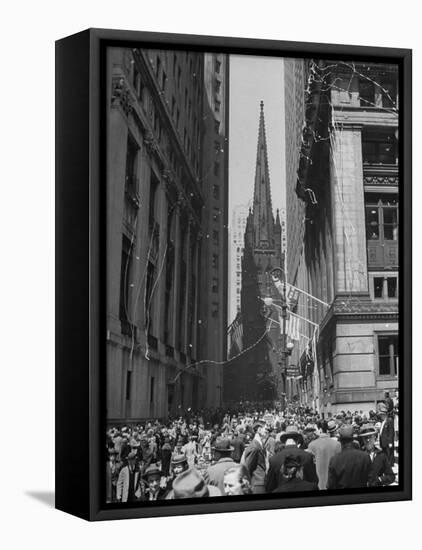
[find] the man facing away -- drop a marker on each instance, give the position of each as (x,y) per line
(351,467)
(292,439)
(323,449)
(214,475)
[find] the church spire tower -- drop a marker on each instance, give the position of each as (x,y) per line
(263,220)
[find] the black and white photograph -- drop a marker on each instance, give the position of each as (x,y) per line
(252,276)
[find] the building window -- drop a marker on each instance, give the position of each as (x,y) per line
(217,106)
(158,68)
(173,106)
(389,93)
(214,309)
(216,237)
(125,270)
(215,261)
(366,92)
(384,287)
(217,126)
(128,384)
(379,147)
(151,390)
(381,218)
(217,66)
(214,286)
(387,354)
(216,192)
(163,81)
(153,201)
(131,185)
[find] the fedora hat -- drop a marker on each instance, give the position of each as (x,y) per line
(291,433)
(367,430)
(331,426)
(178,459)
(190,484)
(222,445)
(346,431)
(152,470)
(309,428)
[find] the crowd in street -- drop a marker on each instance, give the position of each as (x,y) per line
(251,448)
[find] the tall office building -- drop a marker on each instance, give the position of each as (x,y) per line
(160,215)
(237,243)
(342,206)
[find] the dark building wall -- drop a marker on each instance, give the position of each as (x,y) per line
(156,220)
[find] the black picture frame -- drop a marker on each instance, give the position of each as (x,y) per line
(80,280)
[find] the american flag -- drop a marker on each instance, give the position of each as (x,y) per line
(292,295)
(235,331)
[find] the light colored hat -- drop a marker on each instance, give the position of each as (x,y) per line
(190,484)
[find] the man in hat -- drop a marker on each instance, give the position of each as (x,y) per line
(214,475)
(153,489)
(238,443)
(190,450)
(190,484)
(112,474)
(292,476)
(291,439)
(128,487)
(323,449)
(389,403)
(254,457)
(386,436)
(381,472)
(351,467)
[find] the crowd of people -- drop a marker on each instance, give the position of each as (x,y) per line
(251,449)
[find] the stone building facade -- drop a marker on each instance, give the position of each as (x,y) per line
(345,197)
(159,218)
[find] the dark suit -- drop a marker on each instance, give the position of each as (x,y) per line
(256,465)
(381,472)
(239,446)
(387,439)
(274,478)
(296,484)
(349,469)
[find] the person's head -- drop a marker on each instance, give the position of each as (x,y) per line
(369,442)
(153,481)
(291,467)
(260,429)
(179,464)
(222,448)
(131,459)
(346,433)
(324,426)
(237,481)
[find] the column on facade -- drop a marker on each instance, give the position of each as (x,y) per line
(348,211)
(161,266)
(176,280)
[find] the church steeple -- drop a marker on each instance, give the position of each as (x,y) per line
(263,220)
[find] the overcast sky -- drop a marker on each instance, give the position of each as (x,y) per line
(253,79)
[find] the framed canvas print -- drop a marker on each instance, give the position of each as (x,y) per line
(233,274)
